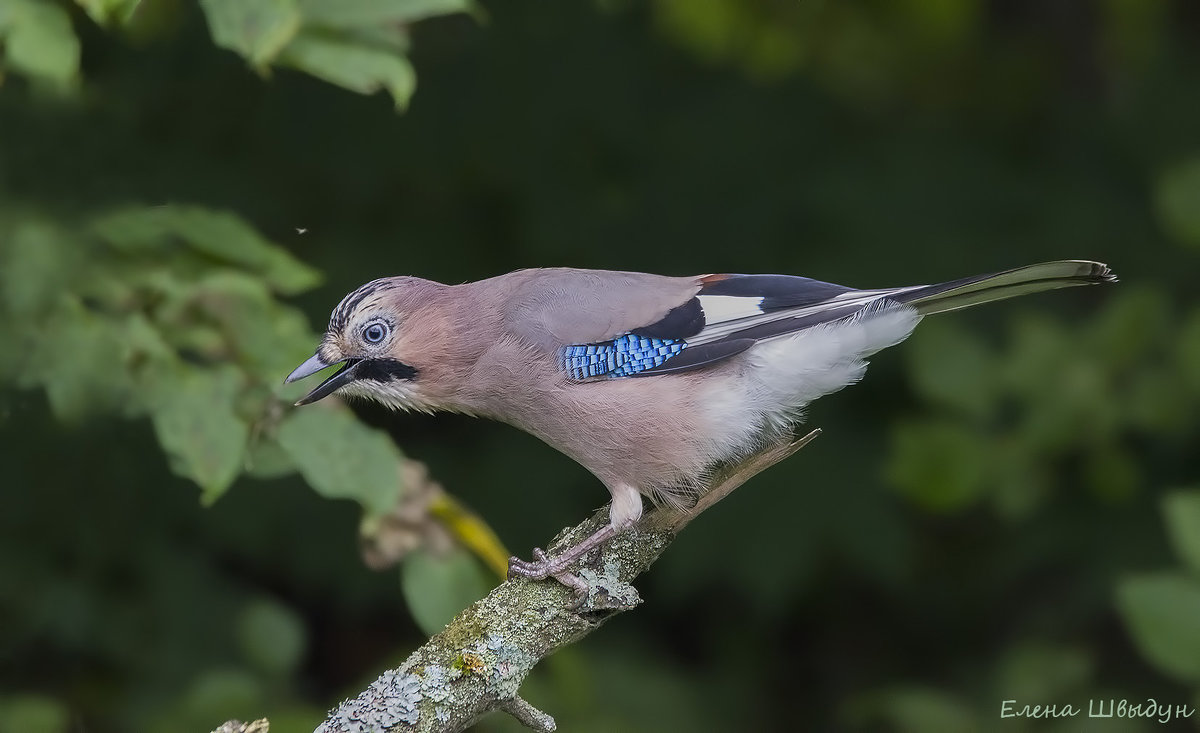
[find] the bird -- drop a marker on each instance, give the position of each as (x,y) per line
(649,382)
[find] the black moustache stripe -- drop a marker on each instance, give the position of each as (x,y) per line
(384,370)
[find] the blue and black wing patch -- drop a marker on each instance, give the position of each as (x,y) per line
(698,355)
(624,356)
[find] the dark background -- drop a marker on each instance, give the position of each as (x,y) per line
(961,533)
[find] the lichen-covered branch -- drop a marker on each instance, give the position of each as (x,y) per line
(478,662)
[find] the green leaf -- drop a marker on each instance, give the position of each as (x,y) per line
(938,465)
(1112,472)
(1039,347)
(268,339)
(217,234)
(1157,399)
(13,358)
(82,368)
(198,428)
(272,637)
(354,66)
(256,29)
(1040,671)
(1188,344)
(151,366)
(341,458)
(136,230)
(1162,612)
(1178,201)
(38,41)
(265,459)
(389,37)
(938,23)
(361,13)
(110,12)
(1132,327)
(437,586)
(219,694)
(34,714)
(36,260)
(1181,510)
(1067,388)
(1019,479)
(915,710)
(951,366)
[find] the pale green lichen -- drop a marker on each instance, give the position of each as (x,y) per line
(434,683)
(386,703)
(606,591)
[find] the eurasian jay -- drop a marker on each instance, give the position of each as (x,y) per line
(647,381)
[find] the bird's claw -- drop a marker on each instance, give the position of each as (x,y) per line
(542,567)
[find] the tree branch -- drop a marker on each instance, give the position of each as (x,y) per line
(478,662)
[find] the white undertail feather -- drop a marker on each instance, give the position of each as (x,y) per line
(780,376)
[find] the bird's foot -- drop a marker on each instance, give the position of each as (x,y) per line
(542,567)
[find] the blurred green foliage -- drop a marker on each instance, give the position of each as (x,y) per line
(1002,422)
(987,517)
(359,45)
(172,312)
(1161,608)
(38,41)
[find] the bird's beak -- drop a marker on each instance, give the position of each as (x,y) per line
(315,364)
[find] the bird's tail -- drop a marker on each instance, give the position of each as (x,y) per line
(971,291)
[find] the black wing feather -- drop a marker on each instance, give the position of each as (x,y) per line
(679,323)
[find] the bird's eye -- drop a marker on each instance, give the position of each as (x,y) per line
(374,333)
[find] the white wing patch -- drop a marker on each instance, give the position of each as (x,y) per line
(719,308)
(714,330)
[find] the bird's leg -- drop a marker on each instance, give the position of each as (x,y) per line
(625,510)
(542,567)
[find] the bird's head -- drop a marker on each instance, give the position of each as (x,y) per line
(377,332)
